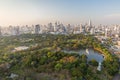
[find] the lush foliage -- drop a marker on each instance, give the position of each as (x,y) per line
(44,60)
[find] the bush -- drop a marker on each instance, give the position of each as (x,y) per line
(93,62)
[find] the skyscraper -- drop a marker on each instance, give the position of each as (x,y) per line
(55,27)
(106,32)
(90,24)
(37,29)
(0,31)
(50,27)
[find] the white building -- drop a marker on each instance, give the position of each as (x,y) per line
(99,67)
(20,48)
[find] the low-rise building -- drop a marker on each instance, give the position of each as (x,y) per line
(20,48)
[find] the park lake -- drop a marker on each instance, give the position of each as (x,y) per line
(90,53)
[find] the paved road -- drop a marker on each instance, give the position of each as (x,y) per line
(117,77)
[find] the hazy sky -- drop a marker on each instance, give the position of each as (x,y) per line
(21,12)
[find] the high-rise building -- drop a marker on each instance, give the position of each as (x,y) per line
(0,31)
(92,30)
(50,27)
(17,30)
(106,32)
(55,27)
(90,24)
(81,28)
(37,29)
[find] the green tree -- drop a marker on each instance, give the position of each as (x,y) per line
(93,62)
(58,66)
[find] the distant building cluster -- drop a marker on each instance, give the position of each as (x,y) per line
(59,28)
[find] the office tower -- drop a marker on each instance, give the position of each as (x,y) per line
(119,30)
(77,29)
(50,27)
(81,28)
(17,30)
(0,31)
(106,32)
(61,28)
(92,31)
(90,24)
(55,27)
(37,29)
(11,30)
(69,29)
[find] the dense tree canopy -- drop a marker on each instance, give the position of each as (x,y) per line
(45,59)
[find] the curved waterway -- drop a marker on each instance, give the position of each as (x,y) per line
(91,54)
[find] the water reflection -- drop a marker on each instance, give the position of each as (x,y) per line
(91,54)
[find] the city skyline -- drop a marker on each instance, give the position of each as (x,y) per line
(28,12)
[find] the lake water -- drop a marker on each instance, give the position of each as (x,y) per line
(91,54)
